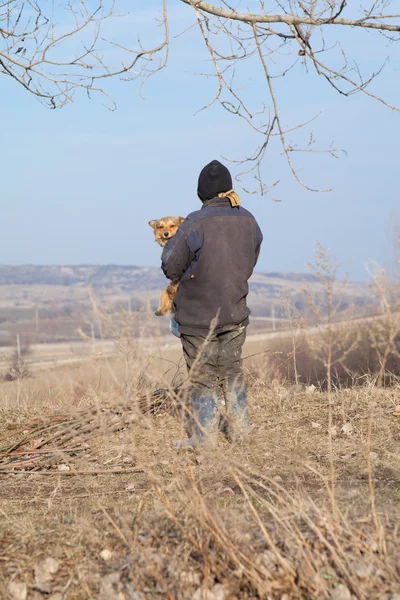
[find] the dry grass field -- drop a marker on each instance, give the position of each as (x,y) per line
(96,503)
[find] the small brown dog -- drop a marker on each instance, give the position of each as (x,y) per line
(164,229)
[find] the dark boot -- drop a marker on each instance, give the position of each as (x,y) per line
(237,411)
(201,423)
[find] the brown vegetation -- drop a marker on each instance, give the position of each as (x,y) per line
(358,356)
(124,516)
(98,504)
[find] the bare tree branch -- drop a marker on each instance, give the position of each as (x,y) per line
(52,55)
(290,19)
(55,49)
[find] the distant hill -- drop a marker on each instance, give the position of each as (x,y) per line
(144,280)
(127,278)
(60,295)
(124,277)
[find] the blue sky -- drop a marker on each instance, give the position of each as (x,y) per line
(80,184)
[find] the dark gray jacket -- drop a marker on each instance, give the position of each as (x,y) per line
(213,254)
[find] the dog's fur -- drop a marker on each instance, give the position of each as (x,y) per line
(164,229)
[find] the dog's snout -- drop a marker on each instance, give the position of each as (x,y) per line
(166,234)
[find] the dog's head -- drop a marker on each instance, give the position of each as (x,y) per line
(164,229)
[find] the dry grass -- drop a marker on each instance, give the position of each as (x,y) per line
(255,518)
(355,358)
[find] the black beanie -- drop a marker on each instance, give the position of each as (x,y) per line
(214,179)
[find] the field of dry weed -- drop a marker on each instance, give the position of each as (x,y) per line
(95,503)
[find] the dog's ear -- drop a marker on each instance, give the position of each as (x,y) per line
(153,224)
(180,220)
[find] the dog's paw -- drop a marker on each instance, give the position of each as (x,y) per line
(159,313)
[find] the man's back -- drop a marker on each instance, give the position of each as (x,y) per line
(213,254)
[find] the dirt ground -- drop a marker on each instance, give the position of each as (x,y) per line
(125,516)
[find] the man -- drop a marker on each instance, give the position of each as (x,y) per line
(213,254)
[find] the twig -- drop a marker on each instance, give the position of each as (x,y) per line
(80,472)
(50,451)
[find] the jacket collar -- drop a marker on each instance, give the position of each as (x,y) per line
(216,202)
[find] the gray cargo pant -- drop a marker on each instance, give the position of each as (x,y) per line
(216,374)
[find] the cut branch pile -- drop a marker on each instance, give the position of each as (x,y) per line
(45,443)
